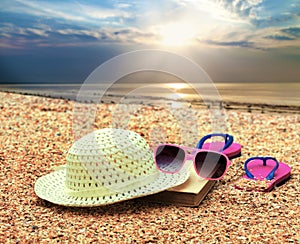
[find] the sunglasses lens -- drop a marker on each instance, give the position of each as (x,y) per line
(169,158)
(210,165)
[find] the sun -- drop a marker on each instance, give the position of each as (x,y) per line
(177,34)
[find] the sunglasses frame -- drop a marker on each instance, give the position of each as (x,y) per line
(190,153)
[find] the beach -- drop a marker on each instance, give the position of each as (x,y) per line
(36,133)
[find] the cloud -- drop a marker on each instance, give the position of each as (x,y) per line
(231,43)
(40,9)
(280,38)
(292,31)
(14,36)
(242,8)
(262,13)
(238,23)
(67,11)
(286,34)
(31,23)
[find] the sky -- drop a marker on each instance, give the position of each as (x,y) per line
(51,41)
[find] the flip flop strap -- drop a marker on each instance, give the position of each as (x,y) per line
(228,140)
(270,176)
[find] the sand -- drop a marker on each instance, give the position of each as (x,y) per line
(36,133)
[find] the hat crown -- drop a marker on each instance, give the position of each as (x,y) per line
(107,161)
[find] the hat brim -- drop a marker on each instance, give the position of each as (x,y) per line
(51,187)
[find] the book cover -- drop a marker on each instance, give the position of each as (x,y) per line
(191,193)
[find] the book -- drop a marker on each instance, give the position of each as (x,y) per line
(191,193)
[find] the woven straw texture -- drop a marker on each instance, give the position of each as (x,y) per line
(104,167)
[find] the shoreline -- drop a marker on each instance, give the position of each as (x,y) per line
(226,104)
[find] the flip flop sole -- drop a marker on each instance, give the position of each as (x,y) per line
(260,172)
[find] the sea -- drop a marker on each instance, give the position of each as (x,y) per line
(279,96)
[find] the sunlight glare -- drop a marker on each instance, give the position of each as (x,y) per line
(177,86)
(177,34)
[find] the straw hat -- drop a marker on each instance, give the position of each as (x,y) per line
(104,167)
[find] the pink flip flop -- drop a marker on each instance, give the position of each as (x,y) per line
(229,148)
(263,176)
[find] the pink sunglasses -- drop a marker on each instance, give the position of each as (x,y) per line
(210,165)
